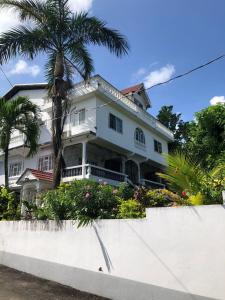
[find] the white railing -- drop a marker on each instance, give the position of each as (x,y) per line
(96,171)
(98,83)
(152,184)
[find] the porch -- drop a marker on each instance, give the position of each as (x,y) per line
(102,163)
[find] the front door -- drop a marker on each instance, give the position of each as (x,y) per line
(132,171)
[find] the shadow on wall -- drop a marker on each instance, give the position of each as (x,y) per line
(94,282)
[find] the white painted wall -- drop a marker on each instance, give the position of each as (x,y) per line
(126,139)
(173,254)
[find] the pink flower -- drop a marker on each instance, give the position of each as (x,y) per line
(87,195)
(114,192)
(105,183)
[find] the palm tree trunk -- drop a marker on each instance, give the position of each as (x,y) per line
(6,162)
(57,122)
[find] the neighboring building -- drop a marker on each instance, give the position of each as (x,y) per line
(109,136)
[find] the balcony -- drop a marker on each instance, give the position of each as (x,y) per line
(97,83)
(93,172)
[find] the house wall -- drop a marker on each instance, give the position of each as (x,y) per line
(126,139)
(175,253)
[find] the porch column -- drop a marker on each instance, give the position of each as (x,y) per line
(139,172)
(123,165)
(84,158)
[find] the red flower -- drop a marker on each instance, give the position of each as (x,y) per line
(184,194)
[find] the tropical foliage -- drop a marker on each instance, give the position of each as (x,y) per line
(9,205)
(189,179)
(174,122)
(64,37)
(20,115)
(206,141)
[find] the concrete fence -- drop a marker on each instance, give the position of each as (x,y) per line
(175,253)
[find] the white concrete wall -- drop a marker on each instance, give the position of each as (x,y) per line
(126,139)
(173,254)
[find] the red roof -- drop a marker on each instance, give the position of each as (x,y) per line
(132,89)
(46,176)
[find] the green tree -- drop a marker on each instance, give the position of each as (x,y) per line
(22,115)
(64,37)
(174,122)
(207,136)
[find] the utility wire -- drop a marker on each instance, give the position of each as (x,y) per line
(186,73)
(141,90)
(147,89)
(7,78)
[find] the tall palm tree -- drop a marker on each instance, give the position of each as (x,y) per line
(22,115)
(64,37)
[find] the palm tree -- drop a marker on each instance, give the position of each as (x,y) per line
(183,174)
(64,37)
(22,115)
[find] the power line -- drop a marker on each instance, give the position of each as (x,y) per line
(187,73)
(7,78)
(146,89)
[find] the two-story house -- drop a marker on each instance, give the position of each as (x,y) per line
(109,136)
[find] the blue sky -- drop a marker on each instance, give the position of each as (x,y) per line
(167,37)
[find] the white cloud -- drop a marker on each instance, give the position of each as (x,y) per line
(80,5)
(22,67)
(8,19)
(161,75)
(217,99)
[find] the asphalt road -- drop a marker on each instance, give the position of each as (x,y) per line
(15,285)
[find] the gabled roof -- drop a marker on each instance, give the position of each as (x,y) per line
(133,89)
(33,174)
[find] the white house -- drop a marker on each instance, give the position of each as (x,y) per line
(109,136)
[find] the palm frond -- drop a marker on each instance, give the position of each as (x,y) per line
(22,41)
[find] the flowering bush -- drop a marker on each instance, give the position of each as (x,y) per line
(131,209)
(82,200)
(163,198)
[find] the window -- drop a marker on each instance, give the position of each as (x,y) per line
(138,103)
(157,146)
(139,136)
(115,123)
(45,163)
(15,169)
(78,117)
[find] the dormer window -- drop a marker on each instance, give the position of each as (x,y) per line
(139,136)
(138,103)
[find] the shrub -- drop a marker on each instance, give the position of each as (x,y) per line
(82,200)
(163,198)
(9,205)
(124,191)
(131,209)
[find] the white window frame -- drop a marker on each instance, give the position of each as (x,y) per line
(15,168)
(78,117)
(157,146)
(139,136)
(118,123)
(45,163)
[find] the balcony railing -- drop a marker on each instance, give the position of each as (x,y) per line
(105,173)
(72,172)
(97,83)
(93,171)
(152,184)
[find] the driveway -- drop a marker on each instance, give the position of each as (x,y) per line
(15,285)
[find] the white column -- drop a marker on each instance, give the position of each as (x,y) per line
(123,165)
(139,172)
(84,158)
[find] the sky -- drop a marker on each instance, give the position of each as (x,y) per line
(166,38)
